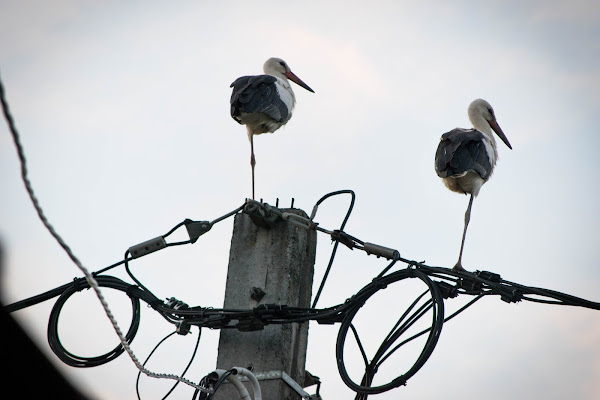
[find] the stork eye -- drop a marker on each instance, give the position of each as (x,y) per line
(282,64)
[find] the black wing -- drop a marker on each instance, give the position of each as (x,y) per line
(257,94)
(462,150)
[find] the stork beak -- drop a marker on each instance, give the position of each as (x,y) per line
(292,77)
(499,132)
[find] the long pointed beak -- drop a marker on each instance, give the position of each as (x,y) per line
(499,132)
(292,77)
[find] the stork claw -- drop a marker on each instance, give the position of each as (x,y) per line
(458,267)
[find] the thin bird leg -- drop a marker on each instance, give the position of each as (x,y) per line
(252,160)
(458,266)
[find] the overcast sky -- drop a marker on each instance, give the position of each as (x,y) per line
(123,109)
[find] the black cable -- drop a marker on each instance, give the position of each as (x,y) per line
(123,261)
(73,360)
(59,290)
(335,245)
(436,304)
(390,265)
(131,274)
(360,346)
(424,331)
(137,382)
(37,298)
(477,284)
(220,381)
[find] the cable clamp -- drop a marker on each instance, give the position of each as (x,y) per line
(175,304)
(446,289)
(262,214)
(470,285)
(79,284)
(379,283)
(250,324)
(147,247)
(182,328)
(489,276)
(381,251)
(299,220)
(274,309)
(129,291)
(399,381)
(345,239)
(509,295)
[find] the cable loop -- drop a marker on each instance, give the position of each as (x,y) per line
(478,284)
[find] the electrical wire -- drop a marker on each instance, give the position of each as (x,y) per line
(335,245)
(449,284)
(137,382)
(436,304)
(86,362)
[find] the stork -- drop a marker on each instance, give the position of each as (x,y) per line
(465,158)
(264,103)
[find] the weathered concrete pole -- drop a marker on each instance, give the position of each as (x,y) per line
(268,266)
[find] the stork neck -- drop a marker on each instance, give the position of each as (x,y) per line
(482,126)
(283,80)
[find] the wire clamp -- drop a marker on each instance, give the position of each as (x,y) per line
(510,295)
(250,324)
(147,247)
(446,289)
(344,238)
(79,284)
(489,276)
(262,214)
(381,251)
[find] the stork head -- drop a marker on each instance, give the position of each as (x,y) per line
(482,115)
(279,68)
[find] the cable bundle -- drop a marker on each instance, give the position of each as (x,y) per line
(441,283)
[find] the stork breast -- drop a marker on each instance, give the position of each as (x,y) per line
(287,97)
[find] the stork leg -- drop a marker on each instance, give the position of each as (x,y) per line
(252,160)
(458,266)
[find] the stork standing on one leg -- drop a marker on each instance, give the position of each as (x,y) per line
(264,103)
(465,158)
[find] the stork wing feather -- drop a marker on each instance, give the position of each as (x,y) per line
(257,94)
(462,150)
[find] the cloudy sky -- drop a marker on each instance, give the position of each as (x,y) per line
(124,116)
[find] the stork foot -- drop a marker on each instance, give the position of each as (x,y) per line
(458,267)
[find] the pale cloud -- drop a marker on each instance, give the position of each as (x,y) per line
(125,118)
(342,64)
(585,12)
(33,24)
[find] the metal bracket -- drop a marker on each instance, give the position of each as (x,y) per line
(270,375)
(196,228)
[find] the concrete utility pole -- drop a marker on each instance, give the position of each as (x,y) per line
(268,266)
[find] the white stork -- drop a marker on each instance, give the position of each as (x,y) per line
(465,158)
(264,103)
